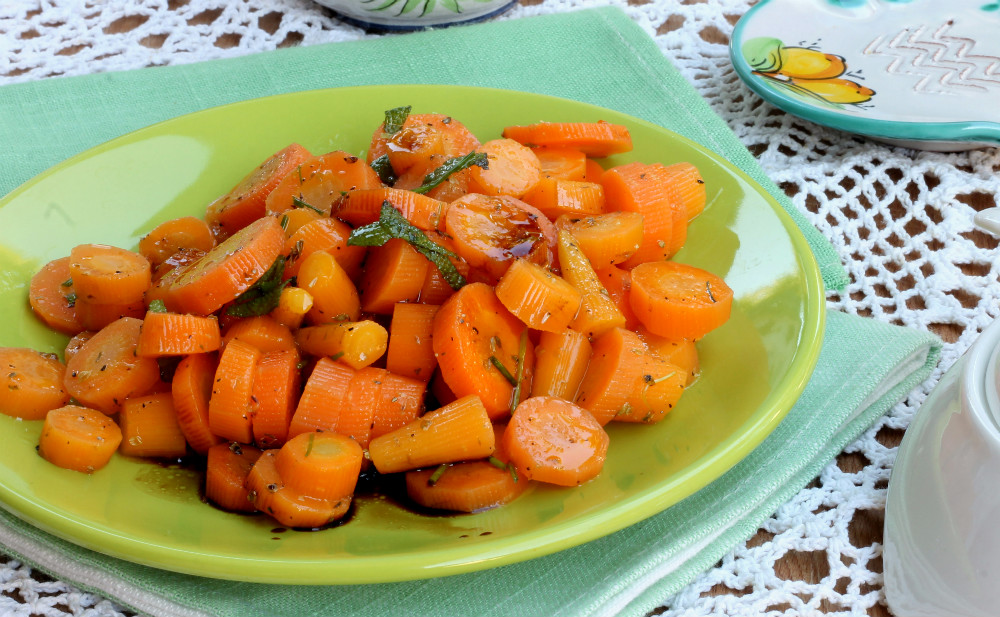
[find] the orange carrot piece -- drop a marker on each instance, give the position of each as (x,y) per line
(365,205)
(456,432)
(513,169)
(244,203)
(174,334)
(394,272)
(263,332)
(324,234)
(75,343)
(646,189)
(191,388)
(78,438)
(454,139)
(688,187)
(149,427)
(471,328)
(655,393)
(52,296)
(293,305)
(552,440)
(168,272)
(542,300)
(563,163)
(229,269)
(296,218)
(410,351)
(322,465)
(606,239)
(615,368)
(490,232)
(229,408)
(227,466)
(596,139)
(186,232)
(598,312)
(682,353)
(322,398)
(561,361)
(436,288)
(676,300)
(556,197)
(289,507)
(618,283)
(276,386)
(335,298)
(319,181)
(401,401)
(355,343)
(593,172)
(96,315)
(31,383)
(358,414)
(108,275)
(107,370)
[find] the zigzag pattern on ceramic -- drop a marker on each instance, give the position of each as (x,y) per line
(942,64)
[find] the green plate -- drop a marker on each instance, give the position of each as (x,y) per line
(753,368)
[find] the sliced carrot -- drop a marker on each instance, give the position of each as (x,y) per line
(456,432)
(322,465)
(561,361)
(597,139)
(355,343)
(96,315)
(471,486)
(357,417)
(436,288)
(174,334)
(296,218)
(552,440)
(473,332)
(191,388)
(615,369)
(454,138)
(75,343)
(244,203)
(618,283)
(293,304)
(31,383)
(542,300)
(227,466)
(513,169)
(324,234)
(263,332)
(564,163)
(52,296)
(168,272)
(394,272)
(655,393)
(401,401)
(598,313)
(289,507)
(229,408)
(149,427)
(556,197)
(688,187)
(682,353)
(229,269)
(335,298)
(108,275)
(78,438)
(410,351)
(676,300)
(319,181)
(107,370)
(593,172)
(365,205)
(646,189)
(606,239)
(490,232)
(276,386)
(322,398)
(186,232)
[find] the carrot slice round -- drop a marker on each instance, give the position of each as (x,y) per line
(229,414)
(105,274)
(52,296)
(192,389)
(31,383)
(78,438)
(677,300)
(227,466)
(186,232)
(597,139)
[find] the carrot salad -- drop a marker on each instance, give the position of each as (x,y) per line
(470,314)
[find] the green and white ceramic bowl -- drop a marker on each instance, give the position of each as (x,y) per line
(414,14)
(916,73)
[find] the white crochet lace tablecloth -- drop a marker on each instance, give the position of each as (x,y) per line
(901,220)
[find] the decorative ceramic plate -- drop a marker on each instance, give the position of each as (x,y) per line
(414,14)
(917,73)
(753,368)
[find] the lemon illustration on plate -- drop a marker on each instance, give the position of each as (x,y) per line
(805,72)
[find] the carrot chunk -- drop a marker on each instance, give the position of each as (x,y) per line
(229,408)
(31,383)
(679,301)
(227,466)
(597,139)
(52,296)
(191,388)
(149,427)
(78,438)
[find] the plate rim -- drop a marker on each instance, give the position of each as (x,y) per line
(525,546)
(963,131)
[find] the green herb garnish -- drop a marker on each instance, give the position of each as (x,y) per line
(394,119)
(449,167)
(431,481)
(337,356)
(263,296)
(70,300)
(522,349)
(157,306)
(391,224)
(301,203)
(502,465)
(309,446)
(384,169)
(67,283)
(503,370)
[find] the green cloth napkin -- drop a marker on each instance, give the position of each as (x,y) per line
(598,56)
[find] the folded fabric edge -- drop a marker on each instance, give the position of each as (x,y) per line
(663,582)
